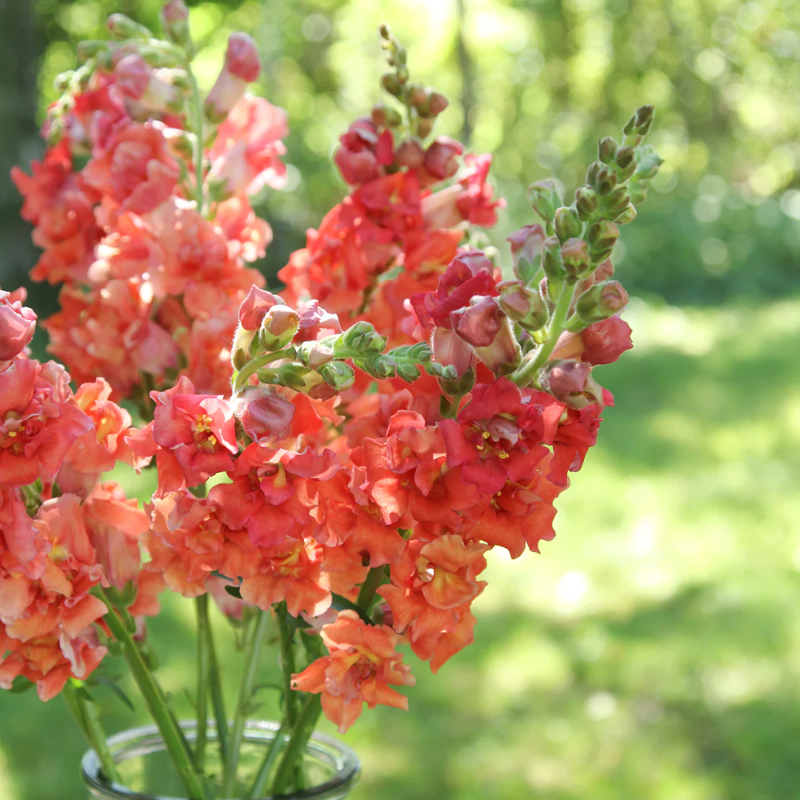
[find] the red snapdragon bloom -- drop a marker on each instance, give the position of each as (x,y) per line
(432,588)
(497,437)
(39,421)
(362,666)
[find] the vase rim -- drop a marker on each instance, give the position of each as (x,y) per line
(348,764)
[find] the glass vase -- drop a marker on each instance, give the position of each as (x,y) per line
(331,768)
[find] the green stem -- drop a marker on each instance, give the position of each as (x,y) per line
(286,630)
(301,733)
(85,714)
(156,705)
(366,593)
(198,158)
(240,378)
(201,604)
(252,658)
(217,699)
(534,361)
(260,783)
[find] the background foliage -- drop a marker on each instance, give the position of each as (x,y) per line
(652,651)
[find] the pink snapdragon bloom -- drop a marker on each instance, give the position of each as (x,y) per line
(17,324)
(39,421)
(196,435)
(247,150)
(115,523)
(22,549)
(98,450)
(362,667)
(135,172)
(45,632)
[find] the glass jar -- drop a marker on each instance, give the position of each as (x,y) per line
(331,768)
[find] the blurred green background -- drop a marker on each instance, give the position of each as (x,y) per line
(653,650)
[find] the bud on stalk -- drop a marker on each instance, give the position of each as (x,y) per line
(567,223)
(545,198)
(122,27)
(175,22)
(599,302)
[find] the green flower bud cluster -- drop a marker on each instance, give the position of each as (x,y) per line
(311,366)
(422,103)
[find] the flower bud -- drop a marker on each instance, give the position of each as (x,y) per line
(385,116)
(137,80)
(362,338)
(122,27)
(601,301)
(255,307)
(617,201)
(572,383)
(437,103)
(484,325)
(241,57)
(552,261)
(278,327)
(602,236)
(316,353)
(264,414)
(424,127)
(626,215)
(605,341)
(392,84)
(606,180)
(526,248)
(624,156)
(522,305)
(338,375)
(410,154)
(606,150)
(175,21)
(639,124)
(567,223)
(440,157)
(416,94)
(17,324)
(242,66)
(576,259)
(459,386)
(586,202)
(545,198)
(89,48)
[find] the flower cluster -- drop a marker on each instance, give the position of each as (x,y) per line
(151,236)
(344,455)
(62,532)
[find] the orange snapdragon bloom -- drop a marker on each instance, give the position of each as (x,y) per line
(362,664)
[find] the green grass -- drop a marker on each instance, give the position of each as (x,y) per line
(651,652)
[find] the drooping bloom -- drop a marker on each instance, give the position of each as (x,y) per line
(362,666)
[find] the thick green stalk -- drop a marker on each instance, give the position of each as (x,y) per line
(536,359)
(252,658)
(241,377)
(201,604)
(366,594)
(157,706)
(217,699)
(85,714)
(301,733)
(260,783)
